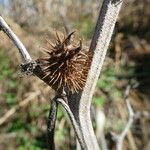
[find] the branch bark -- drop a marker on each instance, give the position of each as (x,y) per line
(26,58)
(74,123)
(78,104)
(99,45)
(51,124)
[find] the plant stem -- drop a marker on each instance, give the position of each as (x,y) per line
(51,124)
(26,58)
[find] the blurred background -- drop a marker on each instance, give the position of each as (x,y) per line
(25,100)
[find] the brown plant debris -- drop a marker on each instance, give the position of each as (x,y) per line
(66,65)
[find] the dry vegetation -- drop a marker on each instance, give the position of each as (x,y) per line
(24,100)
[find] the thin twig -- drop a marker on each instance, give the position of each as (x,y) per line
(26,58)
(51,124)
(29,67)
(13,110)
(120,138)
(73,121)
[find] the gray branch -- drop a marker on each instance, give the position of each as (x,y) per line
(78,104)
(26,58)
(120,138)
(99,45)
(73,121)
(51,124)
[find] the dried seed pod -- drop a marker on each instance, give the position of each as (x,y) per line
(66,64)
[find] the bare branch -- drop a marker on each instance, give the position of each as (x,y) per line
(74,123)
(120,138)
(22,50)
(78,104)
(99,45)
(51,124)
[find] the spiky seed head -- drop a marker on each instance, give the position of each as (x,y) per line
(66,65)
